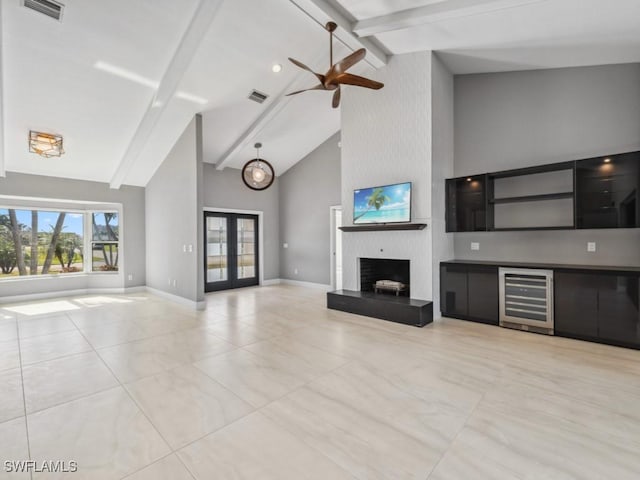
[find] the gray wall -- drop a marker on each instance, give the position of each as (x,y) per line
(442,127)
(225,189)
(307,190)
(173,220)
(133,230)
(518,119)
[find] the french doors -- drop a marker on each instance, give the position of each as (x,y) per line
(231,253)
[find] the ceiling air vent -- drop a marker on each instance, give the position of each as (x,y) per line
(257,96)
(47,7)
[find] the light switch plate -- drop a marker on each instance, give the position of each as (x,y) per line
(591,246)
(475,245)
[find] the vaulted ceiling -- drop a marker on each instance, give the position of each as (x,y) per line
(120,80)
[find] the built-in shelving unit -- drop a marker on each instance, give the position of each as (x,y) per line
(377,227)
(601,192)
(532,198)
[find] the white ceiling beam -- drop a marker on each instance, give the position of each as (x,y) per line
(2,153)
(270,112)
(321,12)
(198,27)
(433,13)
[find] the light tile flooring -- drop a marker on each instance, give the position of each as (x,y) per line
(269,384)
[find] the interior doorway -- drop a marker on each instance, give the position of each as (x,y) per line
(336,247)
(231,250)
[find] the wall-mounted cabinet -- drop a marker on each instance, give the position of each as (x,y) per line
(466,204)
(607,191)
(593,193)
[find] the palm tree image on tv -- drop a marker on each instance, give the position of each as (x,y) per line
(376,199)
(387,204)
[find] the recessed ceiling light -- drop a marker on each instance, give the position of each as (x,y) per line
(607,160)
(469,179)
(276,68)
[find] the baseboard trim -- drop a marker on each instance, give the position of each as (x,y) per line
(299,283)
(177,299)
(273,281)
(29,297)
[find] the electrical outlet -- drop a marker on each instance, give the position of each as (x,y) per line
(591,246)
(475,245)
(175,283)
(184,248)
(169,281)
(285,245)
(130,277)
(295,271)
(190,248)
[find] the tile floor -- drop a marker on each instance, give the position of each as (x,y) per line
(267,383)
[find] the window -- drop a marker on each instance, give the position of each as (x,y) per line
(54,242)
(105,243)
(40,242)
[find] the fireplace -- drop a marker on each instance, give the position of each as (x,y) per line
(385,275)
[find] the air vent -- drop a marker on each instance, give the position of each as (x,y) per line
(257,96)
(47,7)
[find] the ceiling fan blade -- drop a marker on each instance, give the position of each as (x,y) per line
(317,87)
(304,67)
(349,61)
(350,79)
(336,98)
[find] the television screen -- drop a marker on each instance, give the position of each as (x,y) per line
(386,204)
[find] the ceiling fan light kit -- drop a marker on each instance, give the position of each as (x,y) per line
(45,144)
(257,173)
(337,74)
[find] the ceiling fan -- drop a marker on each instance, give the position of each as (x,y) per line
(337,74)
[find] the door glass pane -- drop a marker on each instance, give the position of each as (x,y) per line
(217,249)
(246,248)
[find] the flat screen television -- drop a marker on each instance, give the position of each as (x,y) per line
(385,204)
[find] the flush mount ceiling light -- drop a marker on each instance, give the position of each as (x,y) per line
(45,144)
(257,174)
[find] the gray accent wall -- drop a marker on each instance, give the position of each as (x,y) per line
(225,189)
(307,190)
(441,167)
(132,200)
(518,119)
(173,220)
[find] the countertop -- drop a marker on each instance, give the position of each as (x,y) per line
(547,266)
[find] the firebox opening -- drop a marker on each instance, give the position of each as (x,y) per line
(385,276)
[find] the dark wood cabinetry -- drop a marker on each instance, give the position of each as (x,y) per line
(469,292)
(602,192)
(466,204)
(607,191)
(598,306)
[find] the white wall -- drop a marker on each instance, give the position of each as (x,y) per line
(386,138)
(442,168)
(132,201)
(307,191)
(518,119)
(174,220)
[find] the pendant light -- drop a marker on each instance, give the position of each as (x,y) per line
(257,174)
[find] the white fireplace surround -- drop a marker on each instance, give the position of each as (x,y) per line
(412,245)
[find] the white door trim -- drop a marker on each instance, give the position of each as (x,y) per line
(332,243)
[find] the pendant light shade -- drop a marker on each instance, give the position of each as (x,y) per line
(257,174)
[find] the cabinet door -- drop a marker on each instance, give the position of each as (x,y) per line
(453,290)
(466,204)
(618,313)
(576,303)
(483,302)
(607,191)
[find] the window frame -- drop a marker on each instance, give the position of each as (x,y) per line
(86,209)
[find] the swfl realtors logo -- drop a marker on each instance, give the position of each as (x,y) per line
(47,466)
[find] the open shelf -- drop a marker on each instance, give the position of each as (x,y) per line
(376,227)
(522,229)
(532,198)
